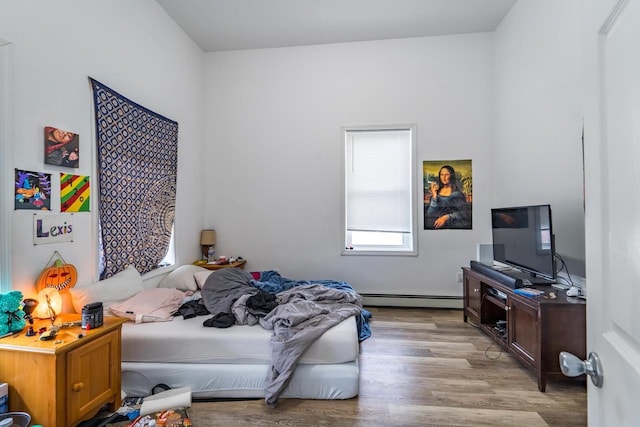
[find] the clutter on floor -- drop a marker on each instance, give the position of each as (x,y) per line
(165,408)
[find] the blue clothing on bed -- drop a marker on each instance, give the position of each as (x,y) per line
(272,282)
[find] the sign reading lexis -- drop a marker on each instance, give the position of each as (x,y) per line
(52,228)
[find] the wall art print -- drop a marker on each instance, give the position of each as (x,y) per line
(32,190)
(61,147)
(448,194)
(75,193)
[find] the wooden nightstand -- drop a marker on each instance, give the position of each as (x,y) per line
(238,264)
(65,380)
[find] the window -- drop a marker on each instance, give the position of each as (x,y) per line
(380,201)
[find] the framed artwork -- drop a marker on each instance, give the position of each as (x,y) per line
(448,194)
(75,192)
(61,147)
(32,190)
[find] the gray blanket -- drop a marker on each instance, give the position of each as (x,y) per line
(304,313)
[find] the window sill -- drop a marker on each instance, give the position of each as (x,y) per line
(399,252)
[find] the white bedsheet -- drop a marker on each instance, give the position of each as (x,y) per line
(187,341)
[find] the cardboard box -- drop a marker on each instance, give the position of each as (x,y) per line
(4,398)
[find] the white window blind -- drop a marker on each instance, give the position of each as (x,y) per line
(378,180)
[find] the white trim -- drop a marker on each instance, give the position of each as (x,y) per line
(5,158)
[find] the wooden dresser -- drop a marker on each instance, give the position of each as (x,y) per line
(65,380)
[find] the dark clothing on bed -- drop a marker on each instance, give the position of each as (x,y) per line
(220,320)
(261,303)
(191,309)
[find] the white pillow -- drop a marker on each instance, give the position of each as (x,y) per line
(115,289)
(201,277)
(182,278)
(150,305)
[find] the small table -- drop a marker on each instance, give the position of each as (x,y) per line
(235,264)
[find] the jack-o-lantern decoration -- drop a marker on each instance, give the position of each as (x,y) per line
(60,276)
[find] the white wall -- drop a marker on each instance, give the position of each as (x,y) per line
(539,115)
(275,151)
(270,173)
(134,48)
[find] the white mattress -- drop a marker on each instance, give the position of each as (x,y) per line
(187,341)
(326,381)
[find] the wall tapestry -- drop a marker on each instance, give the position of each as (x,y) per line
(32,190)
(61,147)
(448,194)
(137,164)
(75,193)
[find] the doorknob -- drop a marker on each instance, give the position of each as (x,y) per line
(572,366)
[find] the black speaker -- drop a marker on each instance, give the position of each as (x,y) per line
(92,316)
(496,275)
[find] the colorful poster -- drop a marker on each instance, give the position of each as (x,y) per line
(32,190)
(448,194)
(61,147)
(75,193)
(52,228)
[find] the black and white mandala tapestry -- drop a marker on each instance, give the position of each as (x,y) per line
(137,167)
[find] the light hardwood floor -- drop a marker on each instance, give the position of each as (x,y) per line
(421,367)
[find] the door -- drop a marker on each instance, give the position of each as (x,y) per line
(523,332)
(612,185)
(92,377)
(471,297)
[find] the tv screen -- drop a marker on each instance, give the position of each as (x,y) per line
(523,238)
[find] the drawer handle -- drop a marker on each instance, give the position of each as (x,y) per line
(77,387)
(476,290)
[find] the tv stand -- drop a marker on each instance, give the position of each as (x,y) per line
(534,329)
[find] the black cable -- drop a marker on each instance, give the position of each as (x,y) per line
(563,265)
(493,335)
(494,341)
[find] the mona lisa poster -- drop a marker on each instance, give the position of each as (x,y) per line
(448,194)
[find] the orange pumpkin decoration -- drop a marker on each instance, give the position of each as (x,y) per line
(60,276)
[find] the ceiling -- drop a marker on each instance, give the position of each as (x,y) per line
(219,25)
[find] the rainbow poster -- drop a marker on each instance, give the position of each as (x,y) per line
(75,193)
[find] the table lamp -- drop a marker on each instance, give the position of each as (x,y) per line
(29,305)
(207,240)
(50,304)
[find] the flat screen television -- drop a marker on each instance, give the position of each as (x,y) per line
(523,238)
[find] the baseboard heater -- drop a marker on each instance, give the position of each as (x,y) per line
(405,300)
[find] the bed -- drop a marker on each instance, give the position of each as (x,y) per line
(285,338)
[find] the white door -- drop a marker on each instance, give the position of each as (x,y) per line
(612,176)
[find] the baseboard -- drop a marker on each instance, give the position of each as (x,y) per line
(425,301)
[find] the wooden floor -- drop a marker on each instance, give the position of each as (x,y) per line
(421,367)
